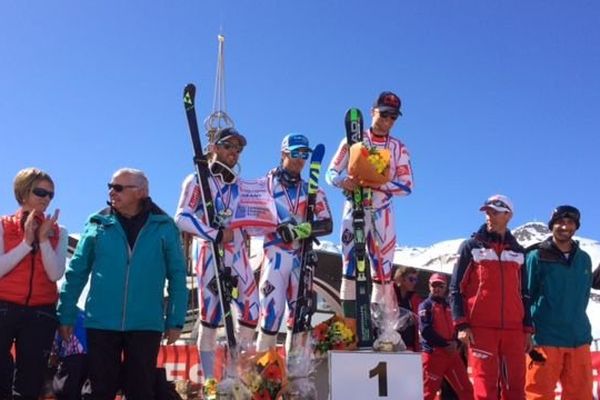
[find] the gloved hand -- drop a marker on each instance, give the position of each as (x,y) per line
(290,232)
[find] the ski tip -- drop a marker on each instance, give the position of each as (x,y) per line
(318,153)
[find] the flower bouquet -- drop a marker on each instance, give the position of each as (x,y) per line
(370,165)
(264,375)
(337,333)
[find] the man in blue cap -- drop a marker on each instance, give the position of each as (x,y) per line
(279,279)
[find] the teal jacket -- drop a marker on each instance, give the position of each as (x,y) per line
(560,290)
(126,290)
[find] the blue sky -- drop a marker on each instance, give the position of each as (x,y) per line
(498,96)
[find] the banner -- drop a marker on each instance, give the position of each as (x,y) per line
(256,211)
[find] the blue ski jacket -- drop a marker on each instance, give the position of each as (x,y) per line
(126,290)
(560,289)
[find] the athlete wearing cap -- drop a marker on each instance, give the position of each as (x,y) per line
(379,217)
(279,278)
(490,304)
(560,278)
(223,155)
(441,357)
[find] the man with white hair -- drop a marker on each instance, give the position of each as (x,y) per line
(490,304)
(130,249)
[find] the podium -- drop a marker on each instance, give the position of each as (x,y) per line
(371,375)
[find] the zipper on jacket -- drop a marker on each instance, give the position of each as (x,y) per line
(499,255)
(130,252)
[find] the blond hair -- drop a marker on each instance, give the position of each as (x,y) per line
(25,180)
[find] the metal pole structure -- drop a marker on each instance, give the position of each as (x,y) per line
(218,118)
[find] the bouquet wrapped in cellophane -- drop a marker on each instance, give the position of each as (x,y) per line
(337,333)
(389,318)
(370,165)
(301,367)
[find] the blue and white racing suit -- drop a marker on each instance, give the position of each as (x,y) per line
(281,265)
(379,215)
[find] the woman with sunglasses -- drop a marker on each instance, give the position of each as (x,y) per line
(283,248)
(405,284)
(32,258)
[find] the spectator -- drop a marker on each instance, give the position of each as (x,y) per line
(405,281)
(130,249)
(32,258)
(71,357)
(441,354)
(490,304)
(560,278)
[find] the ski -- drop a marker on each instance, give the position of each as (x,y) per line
(222,276)
(354,134)
(305,300)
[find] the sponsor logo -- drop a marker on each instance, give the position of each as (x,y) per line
(195,198)
(267,288)
(347,236)
(213,286)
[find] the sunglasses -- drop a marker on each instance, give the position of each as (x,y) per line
(118,187)
(412,279)
(40,192)
(231,146)
(299,153)
(388,114)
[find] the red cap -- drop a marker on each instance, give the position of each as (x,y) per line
(437,278)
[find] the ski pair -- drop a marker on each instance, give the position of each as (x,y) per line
(354,134)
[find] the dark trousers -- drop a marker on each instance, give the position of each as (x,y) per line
(122,359)
(31,329)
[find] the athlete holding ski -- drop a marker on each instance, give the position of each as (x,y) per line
(283,249)
(223,159)
(379,216)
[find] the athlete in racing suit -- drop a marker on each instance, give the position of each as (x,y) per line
(190,218)
(281,268)
(379,217)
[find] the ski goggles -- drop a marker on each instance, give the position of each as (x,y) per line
(41,192)
(301,152)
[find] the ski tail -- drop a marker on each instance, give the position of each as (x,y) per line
(304,301)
